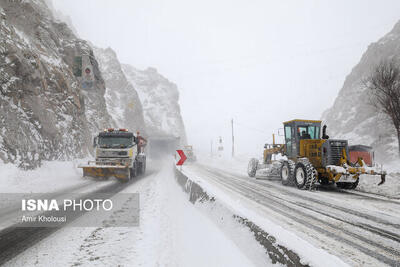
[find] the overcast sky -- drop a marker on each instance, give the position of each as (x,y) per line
(258,62)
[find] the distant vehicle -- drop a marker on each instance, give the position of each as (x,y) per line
(312,158)
(188,150)
(362,151)
(118,153)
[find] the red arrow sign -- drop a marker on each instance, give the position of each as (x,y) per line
(183,158)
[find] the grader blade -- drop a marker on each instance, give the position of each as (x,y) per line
(347,171)
(383,179)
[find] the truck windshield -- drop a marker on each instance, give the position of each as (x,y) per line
(115,141)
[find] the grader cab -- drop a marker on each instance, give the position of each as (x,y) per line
(311,158)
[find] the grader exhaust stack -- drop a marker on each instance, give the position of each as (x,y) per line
(311,159)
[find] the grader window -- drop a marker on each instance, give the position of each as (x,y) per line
(288,139)
(288,132)
(308,132)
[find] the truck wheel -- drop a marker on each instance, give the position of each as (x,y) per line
(252,167)
(143,167)
(139,168)
(287,172)
(128,177)
(305,175)
(133,171)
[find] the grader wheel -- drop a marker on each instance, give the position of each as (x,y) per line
(287,172)
(305,175)
(252,167)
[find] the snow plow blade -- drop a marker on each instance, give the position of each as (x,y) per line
(340,172)
(383,179)
(105,171)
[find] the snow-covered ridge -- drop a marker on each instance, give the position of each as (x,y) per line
(159,99)
(122,100)
(352,116)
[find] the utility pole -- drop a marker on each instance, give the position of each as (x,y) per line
(233,141)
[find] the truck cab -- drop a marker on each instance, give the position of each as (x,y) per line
(119,153)
(115,145)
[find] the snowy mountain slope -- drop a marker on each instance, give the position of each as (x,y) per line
(352,116)
(59,15)
(45,114)
(159,98)
(122,100)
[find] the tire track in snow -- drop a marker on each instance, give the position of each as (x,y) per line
(316,201)
(367,246)
(15,240)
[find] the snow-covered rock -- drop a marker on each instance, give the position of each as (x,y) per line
(58,15)
(160,101)
(122,100)
(44,112)
(352,116)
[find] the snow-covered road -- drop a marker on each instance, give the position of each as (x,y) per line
(360,228)
(172,232)
(325,228)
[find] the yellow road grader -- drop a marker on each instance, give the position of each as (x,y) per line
(307,158)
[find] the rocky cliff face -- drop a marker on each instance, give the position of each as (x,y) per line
(53,97)
(159,99)
(45,111)
(61,17)
(352,116)
(122,100)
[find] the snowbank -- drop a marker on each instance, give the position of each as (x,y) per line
(391,188)
(51,176)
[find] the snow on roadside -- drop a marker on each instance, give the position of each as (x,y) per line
(391,187)
(51,176)
(240,234)
(238,164)
(172,232)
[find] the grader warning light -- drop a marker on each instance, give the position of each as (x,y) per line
(310,159)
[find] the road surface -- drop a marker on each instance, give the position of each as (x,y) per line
(360,228)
